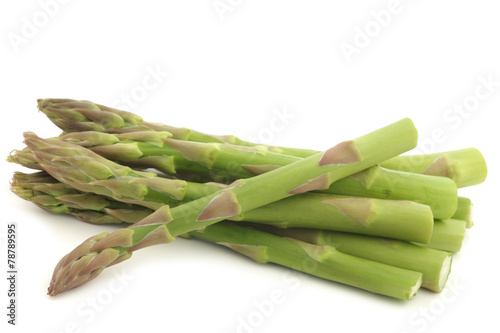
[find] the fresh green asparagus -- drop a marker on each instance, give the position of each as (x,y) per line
(313,173)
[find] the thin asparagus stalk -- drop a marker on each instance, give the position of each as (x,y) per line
(464,211)
(466,167)
(320,260)
(439,193)
(435,265)
(78,116)
(447,235)
(388,218)
(313,173)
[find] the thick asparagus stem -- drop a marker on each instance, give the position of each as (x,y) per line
(78,116)
(320,260)
(439,193)
(313,173)
(435,265)
(447,235)
(465,166)
(464,211)
(387,218)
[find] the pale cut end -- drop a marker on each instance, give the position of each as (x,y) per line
(222,206)
(415,288)
(359,209)
(319,183)
(344,153)
(437,286)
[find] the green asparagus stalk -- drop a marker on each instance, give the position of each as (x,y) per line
(404,220)
(464,211)
(78,116)
(435,265)
(439,193)
(466,167)
(320,260)
(447,235)
(394,219)
(313,173)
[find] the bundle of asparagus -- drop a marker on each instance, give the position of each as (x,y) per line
(360,212)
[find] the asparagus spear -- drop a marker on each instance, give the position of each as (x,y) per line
(465,166)
(439,193)
(435,265)
(464,211)
(78,116)
(394,219)
(313,173)
(256,244)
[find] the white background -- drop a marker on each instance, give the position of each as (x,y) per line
(230,71)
